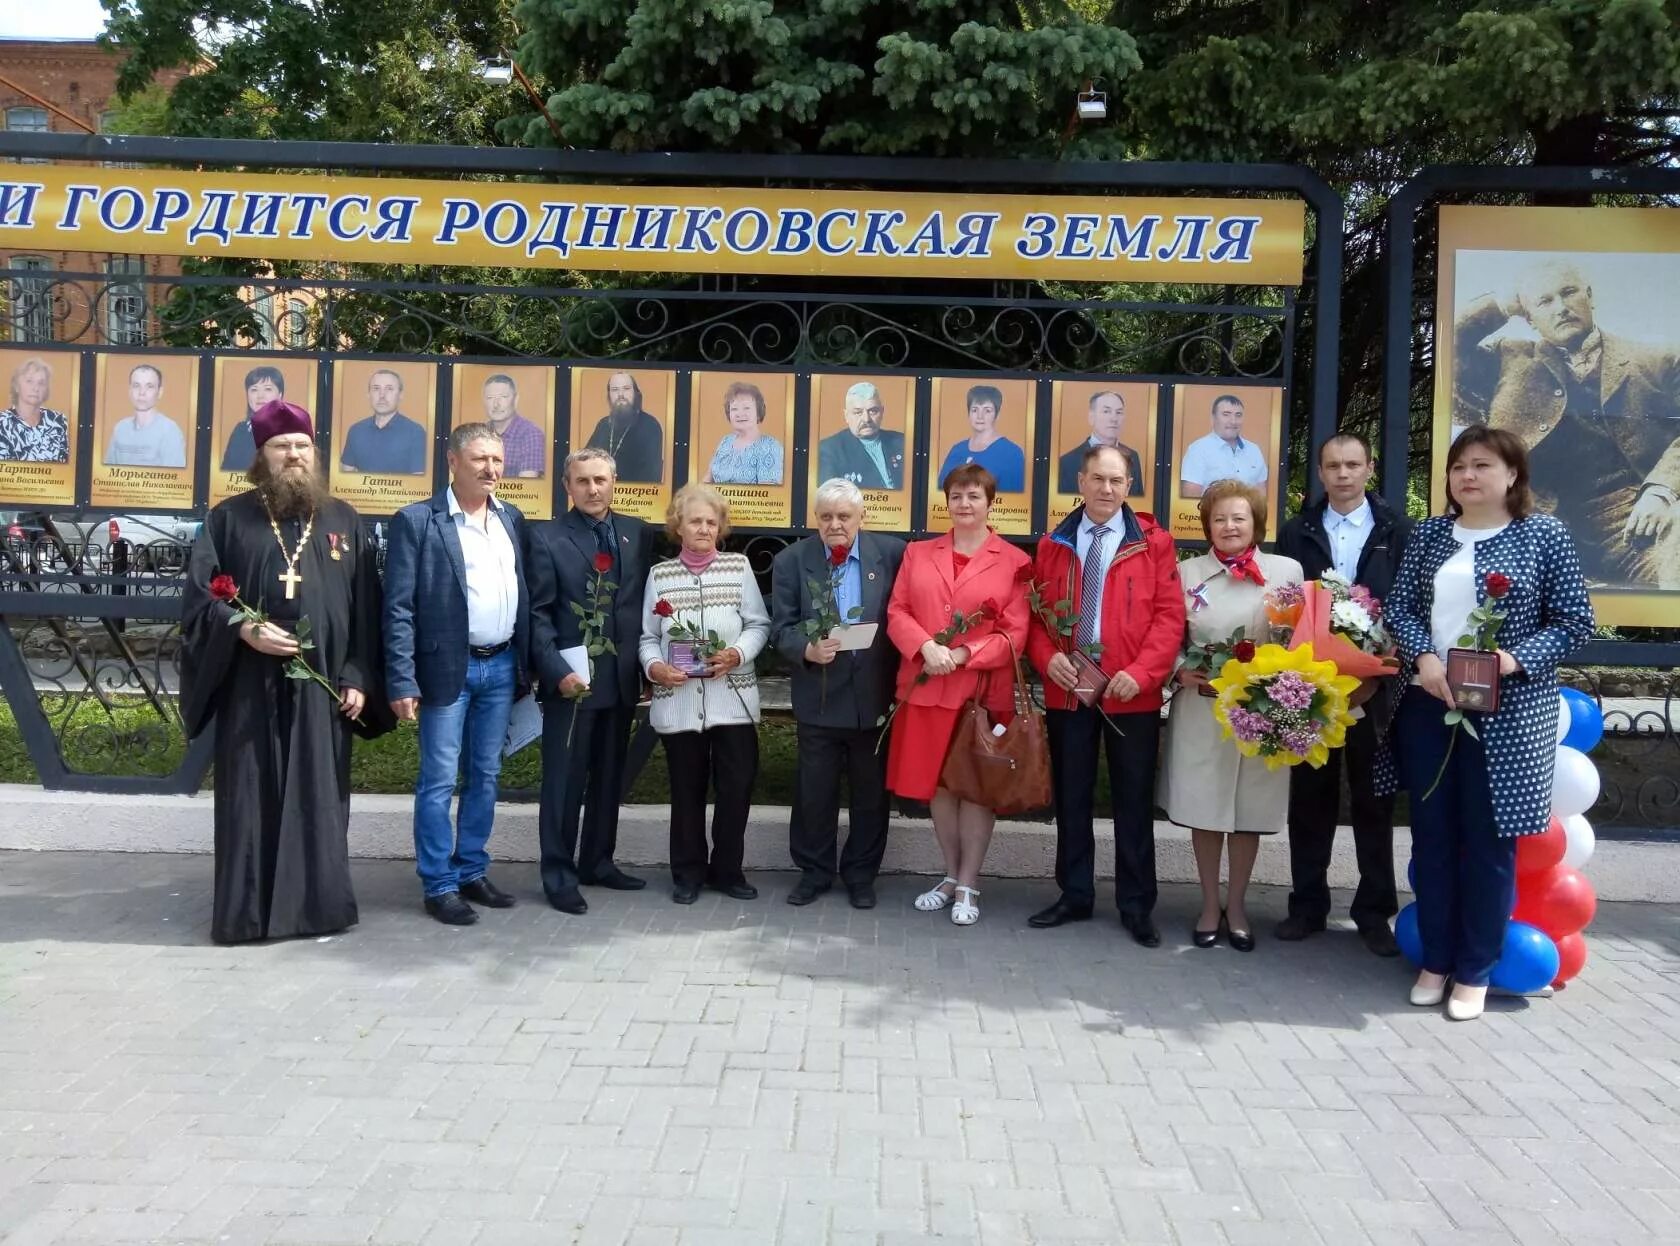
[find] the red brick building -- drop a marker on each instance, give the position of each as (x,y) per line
(69,86)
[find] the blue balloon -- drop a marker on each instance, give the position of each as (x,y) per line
(1407,936)
(1529,960)
(1586,721)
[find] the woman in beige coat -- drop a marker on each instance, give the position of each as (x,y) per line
(1206,784)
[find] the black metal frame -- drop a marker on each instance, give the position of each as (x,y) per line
(785,315)
(1401,299)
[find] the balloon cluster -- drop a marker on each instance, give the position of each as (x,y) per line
(1543,941)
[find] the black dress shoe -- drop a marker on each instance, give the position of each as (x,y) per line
(685,893)
(1294,928)
(862,895)
(1142,930)
(1207,938)
(1380,940)
(804,891)
(615,879)
(569,901)
(482,891)
(450,909)
(1058,914)
(1240,940)
(742,890)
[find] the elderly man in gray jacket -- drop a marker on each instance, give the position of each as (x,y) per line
(1598,412)
(839,695)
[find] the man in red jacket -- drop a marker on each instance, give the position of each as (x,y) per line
(1118,571)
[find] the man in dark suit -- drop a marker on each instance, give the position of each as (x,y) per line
(838,697)
(631,437)
(456,624)
(863,452)
(588,704)
(1107,413)
(1355,534)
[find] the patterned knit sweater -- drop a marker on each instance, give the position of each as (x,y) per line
(724,598)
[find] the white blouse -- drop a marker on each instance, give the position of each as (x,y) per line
(1455,588)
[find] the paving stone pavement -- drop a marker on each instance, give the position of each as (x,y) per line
(754,1073)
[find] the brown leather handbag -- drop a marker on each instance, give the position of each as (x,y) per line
(1004,769)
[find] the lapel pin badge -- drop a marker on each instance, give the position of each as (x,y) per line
(332,539)
(872,575)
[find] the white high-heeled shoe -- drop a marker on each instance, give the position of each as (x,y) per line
(934,900)
(964,911)
(1466,1007)
(1425,996)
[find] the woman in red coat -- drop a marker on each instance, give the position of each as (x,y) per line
(969,571)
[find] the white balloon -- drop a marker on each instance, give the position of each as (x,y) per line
(1582,841)
(1563,720)
(1574,784)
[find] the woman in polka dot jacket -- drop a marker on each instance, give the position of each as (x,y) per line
(1494,785)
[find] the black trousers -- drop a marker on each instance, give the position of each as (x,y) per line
(826,754)
(1074,738)
(580,791)
(1314,811)
(726,758)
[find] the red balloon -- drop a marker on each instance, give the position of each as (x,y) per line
(1538,853)
(1560,901)
(1572,958)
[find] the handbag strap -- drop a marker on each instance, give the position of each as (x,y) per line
(1021,695)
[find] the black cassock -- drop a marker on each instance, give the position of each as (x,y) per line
(282,755)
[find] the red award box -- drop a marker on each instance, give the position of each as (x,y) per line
(1091,680)
(1473,676)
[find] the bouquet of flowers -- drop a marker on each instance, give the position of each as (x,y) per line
(1342,622)
(1283,705)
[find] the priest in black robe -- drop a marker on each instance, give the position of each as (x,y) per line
(282,752)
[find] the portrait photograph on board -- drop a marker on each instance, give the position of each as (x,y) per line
(630,412)
(145,430)
(1107,412)
(740,439)
(864,427)
(1562,325)
(244,384)
(384,414)
(38,426)
(518,402)
(991,422)
(1223,430)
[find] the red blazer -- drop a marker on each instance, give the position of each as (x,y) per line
(1142,609)
(926,594)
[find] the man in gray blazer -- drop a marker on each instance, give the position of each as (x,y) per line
(839,697)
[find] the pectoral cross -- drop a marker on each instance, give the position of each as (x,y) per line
(291,579)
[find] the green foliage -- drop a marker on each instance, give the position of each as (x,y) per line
(392,71)
(938,77)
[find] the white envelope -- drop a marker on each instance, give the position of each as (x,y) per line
(854,635)
(577,657)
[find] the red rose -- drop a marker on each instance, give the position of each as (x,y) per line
(663,608)
(1243,651)
(1025,574)
(990,609)
(837,554)
(603,563)
(222,588)
(1498,584)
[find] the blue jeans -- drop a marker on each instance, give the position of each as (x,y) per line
(466,735)
(1465,874)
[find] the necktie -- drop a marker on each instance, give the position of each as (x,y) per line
(1091,585)
(604,541)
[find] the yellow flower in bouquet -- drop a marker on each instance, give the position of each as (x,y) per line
(1284,706)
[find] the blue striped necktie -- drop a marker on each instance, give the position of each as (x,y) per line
(1091,585)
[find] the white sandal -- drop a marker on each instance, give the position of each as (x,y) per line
(934,900)
(965,912)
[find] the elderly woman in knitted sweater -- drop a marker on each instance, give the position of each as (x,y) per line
(703,625)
